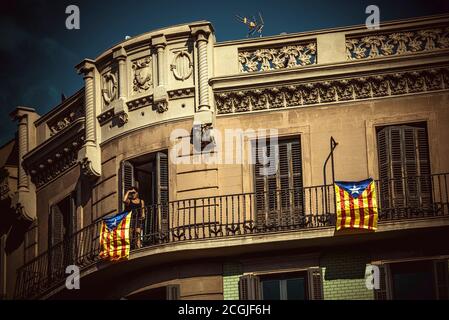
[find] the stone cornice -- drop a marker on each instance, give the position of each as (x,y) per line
(331,90)
(60,108)
(56,155)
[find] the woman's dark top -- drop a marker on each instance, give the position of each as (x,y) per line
(132,206)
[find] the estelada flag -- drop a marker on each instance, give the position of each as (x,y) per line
(114,237)
(356,204)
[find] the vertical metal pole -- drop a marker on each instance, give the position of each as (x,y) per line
(333,145)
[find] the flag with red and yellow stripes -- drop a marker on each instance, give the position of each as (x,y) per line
(356,204)
(114,237)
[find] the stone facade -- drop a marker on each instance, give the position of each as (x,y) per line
(145,95)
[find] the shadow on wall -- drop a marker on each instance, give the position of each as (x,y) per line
(344,265)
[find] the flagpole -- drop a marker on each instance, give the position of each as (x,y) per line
(333,145)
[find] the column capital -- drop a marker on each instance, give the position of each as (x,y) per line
(119,54)
(21,112)
(159,41)
(86,68)
(201,32)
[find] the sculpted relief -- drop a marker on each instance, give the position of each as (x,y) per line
(109,90)
(142,75)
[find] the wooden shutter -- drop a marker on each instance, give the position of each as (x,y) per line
(404,168)
(173,292)
(315,284)
(249,287)
(441,279)
(56,236)
(127,176)
(162,189)
(56,230)
(278,193)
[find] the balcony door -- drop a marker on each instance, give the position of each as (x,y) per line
(149,173)
(278,183)
(404,170)
(61,226)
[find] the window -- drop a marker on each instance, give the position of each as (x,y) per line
(416,280)
(404,168)
(282,288)
(278,183)
(149,173)
(301,285)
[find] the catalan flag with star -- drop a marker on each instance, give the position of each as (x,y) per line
(115,237)
(356,204)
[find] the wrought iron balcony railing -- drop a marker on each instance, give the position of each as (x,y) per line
(232,215)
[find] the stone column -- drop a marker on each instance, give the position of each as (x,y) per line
(119,105)
(89,103)
(201,34)
(23,183)
(160,96)
(120,56)
(160,64)
(89,156)
(24,200)
(203,72)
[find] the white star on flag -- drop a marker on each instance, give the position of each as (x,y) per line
(355,189)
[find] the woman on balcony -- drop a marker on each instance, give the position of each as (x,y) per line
(137,206)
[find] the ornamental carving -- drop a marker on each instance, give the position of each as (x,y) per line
(142,75)
(397,43)
(109,89)
(57,162)
(278,58)
(66,118)
(182,66)
(333,90)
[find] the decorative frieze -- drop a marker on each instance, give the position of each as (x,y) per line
(397,43)
(66,118)
(142,75)
(290,56)
(139,103)
(334,90)
(181,93)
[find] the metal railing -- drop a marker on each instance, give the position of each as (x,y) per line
(232,215)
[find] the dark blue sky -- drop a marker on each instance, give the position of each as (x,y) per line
(38,53)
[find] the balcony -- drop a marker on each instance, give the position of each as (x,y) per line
(236,215)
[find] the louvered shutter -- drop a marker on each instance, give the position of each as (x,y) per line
(173,292)
(425,183)
(127,176)
(383,147)
(56,236)
(404,169)
(297,187)
(315,283)
(56,225)
(162,189)
(279,190)
(249,287)
(441,279)
(259,181)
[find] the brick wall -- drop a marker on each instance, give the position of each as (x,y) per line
(231,274)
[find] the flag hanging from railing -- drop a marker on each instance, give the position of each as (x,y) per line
(356,204)
(115,237)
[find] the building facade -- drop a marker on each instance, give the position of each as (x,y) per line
(184,117)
